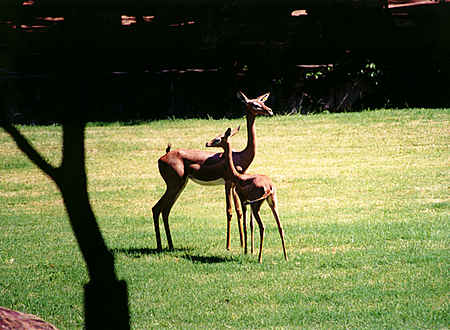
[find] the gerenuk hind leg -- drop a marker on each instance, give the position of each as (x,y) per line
(272,201)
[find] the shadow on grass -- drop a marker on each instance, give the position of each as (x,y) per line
(207,259)
(139,252)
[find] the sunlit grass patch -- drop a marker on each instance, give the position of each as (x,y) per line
(363,199)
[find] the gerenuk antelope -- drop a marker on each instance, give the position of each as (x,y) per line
(252,189)
(203,167)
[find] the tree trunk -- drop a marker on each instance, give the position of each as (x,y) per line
(106,299)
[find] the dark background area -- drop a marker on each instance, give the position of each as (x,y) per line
(144,60)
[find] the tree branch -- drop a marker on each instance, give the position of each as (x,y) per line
(25,146)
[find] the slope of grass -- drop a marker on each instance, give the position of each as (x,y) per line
(364,200)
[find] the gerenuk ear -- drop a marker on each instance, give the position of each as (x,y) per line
(263,98)
(241,96)
(235,131)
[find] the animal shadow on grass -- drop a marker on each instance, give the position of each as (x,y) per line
(207,259)
(139,252)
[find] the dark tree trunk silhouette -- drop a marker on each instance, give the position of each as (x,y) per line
(106,300)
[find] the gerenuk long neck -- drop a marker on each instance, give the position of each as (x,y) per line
(250,149)
(232,172)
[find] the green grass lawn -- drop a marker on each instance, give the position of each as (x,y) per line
(364,201)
